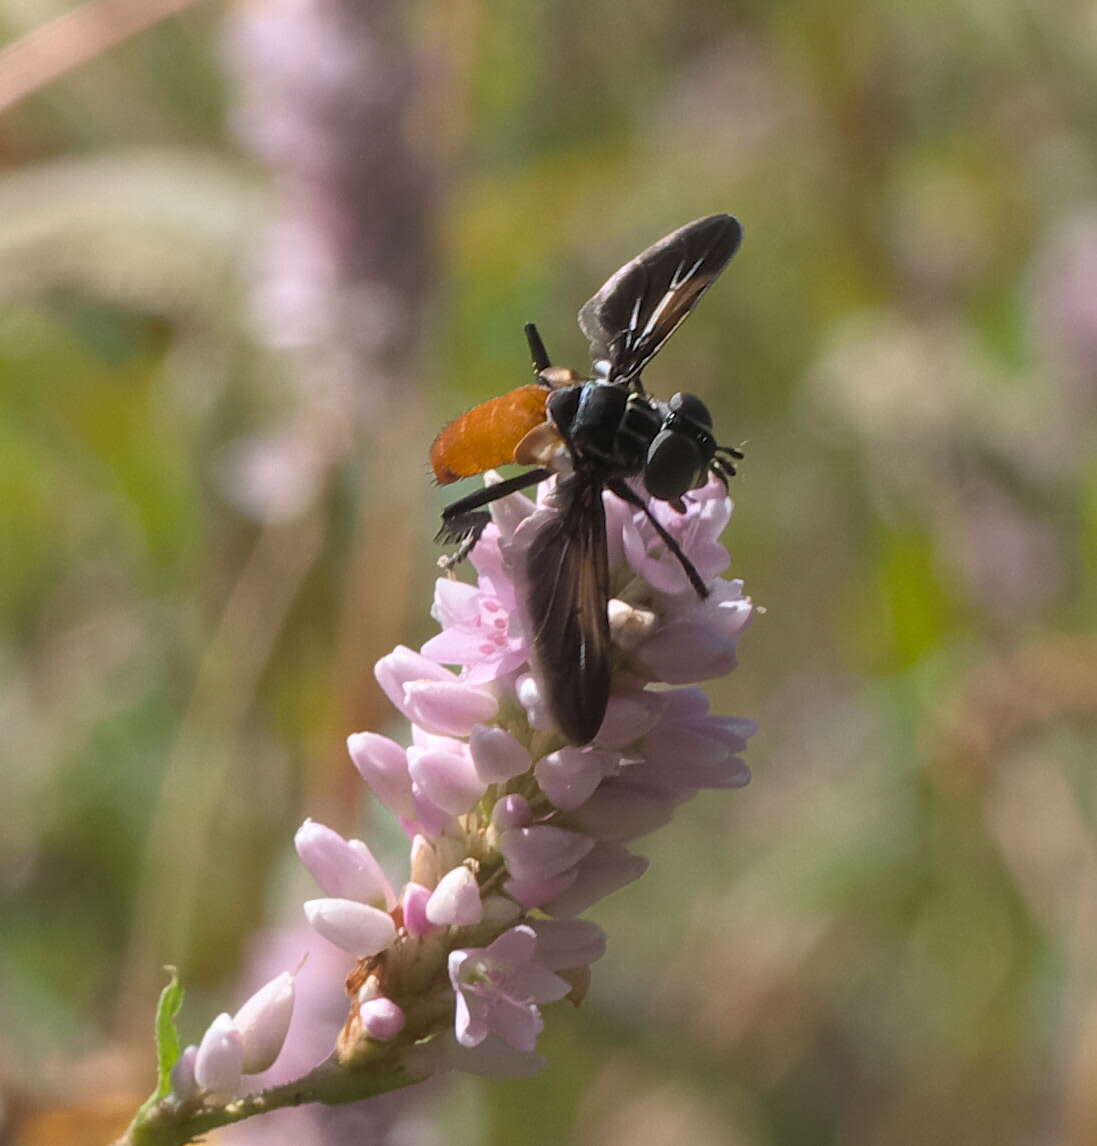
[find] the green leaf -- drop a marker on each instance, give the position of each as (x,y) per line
(167,1038)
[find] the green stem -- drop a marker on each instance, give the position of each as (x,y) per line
(172,1124)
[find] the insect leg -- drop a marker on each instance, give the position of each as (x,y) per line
(623,491)
(466,519)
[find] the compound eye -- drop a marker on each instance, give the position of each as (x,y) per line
(673,464)
(563,405)
(690,406)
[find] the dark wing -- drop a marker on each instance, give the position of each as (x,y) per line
(566,594)
(643,304)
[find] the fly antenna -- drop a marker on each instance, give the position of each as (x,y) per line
(536,349)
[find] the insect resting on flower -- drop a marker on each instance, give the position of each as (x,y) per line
(595,433)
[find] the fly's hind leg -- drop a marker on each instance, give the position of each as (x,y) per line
(465,520)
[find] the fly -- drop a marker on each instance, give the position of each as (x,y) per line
(594,432)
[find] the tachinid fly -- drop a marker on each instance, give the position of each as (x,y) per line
(594,432)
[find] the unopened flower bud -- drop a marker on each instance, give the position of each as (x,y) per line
(383,764)
(382,1019)
(447,779)
(263,1022)
(415,910)
(355,927)
(497,755)
(448,708)
(183,1083)
(424,862)
(345,869)
(608,867)
(456,899)
(219,1061)
(542,851)
(511,811)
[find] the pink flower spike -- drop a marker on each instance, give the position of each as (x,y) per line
(542,851)
(383,764)
(355,927)
(263,1022)
(497,755)
(569,776)
(345,869)
(511,811)
(415,910)
(498,988)
(218,1064)
(564,944)
(382,1019)
(447,707)
(608,867)
(403,666)
(183,1083)
(447,779)
(456,899)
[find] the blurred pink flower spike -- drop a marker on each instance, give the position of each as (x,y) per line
(498,990)
(263,1022)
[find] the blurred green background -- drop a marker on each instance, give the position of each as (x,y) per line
(252,257)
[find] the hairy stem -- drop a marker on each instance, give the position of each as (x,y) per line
(172,1124)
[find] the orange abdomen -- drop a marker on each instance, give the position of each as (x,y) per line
(487,435)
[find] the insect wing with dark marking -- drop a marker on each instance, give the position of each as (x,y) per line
(566,594)
(643,304)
